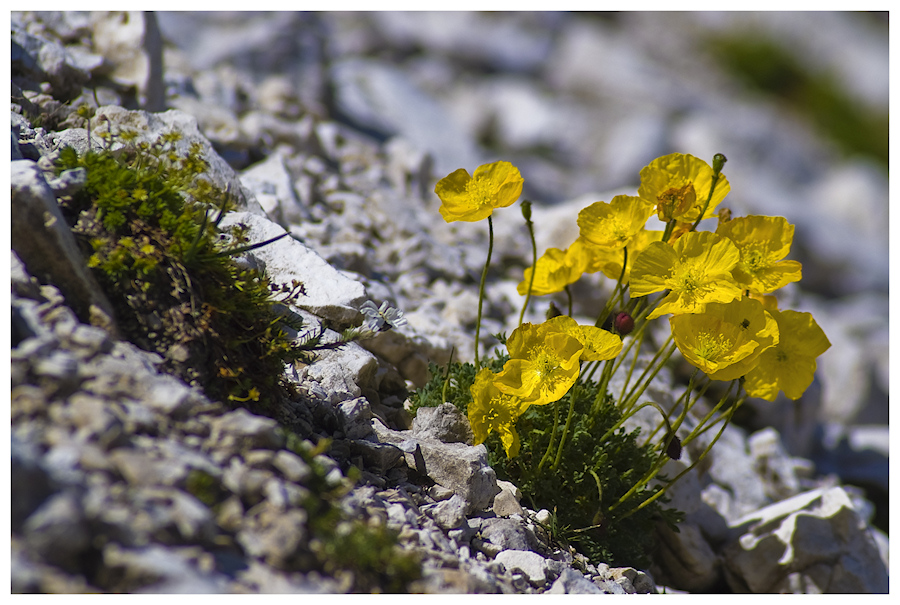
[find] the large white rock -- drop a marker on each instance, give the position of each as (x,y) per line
(533,565)
(456,466)
(813,542)
(327,293)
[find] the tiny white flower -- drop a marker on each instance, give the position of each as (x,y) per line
(377,317)
(374,319)
(394,317)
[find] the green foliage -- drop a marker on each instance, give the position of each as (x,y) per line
(592,474)
(768,67)
(452,384)
(364,554)
(149,223)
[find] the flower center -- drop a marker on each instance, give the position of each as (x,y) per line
(755,258)
(499,409)
(710,346)
(689,282)
(479,191)
(675,202)
(619,230)
(545,362)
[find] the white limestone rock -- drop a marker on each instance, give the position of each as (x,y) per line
(457,466)
(813,542)
(327,292)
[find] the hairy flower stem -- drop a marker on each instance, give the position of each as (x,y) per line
(667,232)
(702,426)
(712,188)
(569,296)
(562,440)
(530,226)
(686,406)
(616,295)
(662,458)
(631,413)
(481,287)
(447,376)
(552,438)
(728,416)
(612,365)
(653,368)
(652,472)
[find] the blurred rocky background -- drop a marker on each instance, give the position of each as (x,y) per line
(338,124)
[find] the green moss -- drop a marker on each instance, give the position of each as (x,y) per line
(591,477)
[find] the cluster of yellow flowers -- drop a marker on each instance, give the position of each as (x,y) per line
(715,285)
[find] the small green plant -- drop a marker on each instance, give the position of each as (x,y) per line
(362,553)
(597,467)
(543,408)
(149,222)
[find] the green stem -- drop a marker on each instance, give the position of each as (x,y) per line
(606,375)
(728,416)
(654,470)
(569,296)
(656,364)
(616,295)
(481,287)
(562,440)
(631,413)
(447,376)
(685,407)
(712,188)
(552,438)
(703,427)
(635,342)
(530,226)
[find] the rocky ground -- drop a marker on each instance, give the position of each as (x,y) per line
(335,127)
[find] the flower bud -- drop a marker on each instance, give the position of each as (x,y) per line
(719,162)
(673,450)
(526,209)
(553,311)
(624,323)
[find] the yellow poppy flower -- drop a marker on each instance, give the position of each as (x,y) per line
(492,410)
(556,269)
(599,344)
(678,185)
(473,198)
(612,226)
(789,366)
(762,241)
(726,340)
(543,363)
(696,270)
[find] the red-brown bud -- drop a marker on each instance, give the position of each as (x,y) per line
(623,323)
